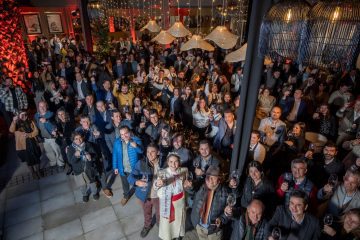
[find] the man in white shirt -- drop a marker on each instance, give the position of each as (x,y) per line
(272,129)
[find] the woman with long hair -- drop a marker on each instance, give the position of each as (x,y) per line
(201,116)
(347,229)
(27,147)
(324,123)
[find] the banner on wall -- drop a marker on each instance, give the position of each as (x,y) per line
(111,25)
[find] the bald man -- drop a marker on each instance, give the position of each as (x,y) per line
(251,224)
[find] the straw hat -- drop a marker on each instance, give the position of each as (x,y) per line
(316,138)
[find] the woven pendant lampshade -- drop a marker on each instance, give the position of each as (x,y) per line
(222,37)
(238,55)
(152,26)
(178,30)
(333,33)
(196,41)
(163,38)
(280,33)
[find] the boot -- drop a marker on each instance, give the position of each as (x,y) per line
(34,176)
(37,170)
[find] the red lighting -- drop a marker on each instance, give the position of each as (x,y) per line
(12,50)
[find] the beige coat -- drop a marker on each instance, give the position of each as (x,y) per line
(20,139)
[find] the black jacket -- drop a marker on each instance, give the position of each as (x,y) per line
(309,229)
(217,207)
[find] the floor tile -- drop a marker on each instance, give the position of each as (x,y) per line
(110,231)
(23,200)
(130,209)
(54,190)
(36,236)
(132,224)
(98,218)
(58,202)
(21,189)
(52,180)
(66,231)
(24,229)
(60,216)
(22,214)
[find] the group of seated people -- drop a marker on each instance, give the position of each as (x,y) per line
(165,122)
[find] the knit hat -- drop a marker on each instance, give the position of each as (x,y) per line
(213,171)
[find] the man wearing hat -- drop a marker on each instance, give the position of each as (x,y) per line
(208,214)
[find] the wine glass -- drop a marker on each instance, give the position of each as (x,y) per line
(197,163)
(231,200)
(235,176)
(276,233)
(190,176)
(333,180)
(145,179)
(328,219)
(311,147)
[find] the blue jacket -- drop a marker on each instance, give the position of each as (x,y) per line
(49,126)
(142,168)
(221,133)
(132,152)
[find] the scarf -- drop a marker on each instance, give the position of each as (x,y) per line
(205,208)
(81,149)
(171,191)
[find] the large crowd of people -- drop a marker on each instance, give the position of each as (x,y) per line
(164,121)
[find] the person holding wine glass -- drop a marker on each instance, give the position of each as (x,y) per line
(142,177)
(257,186)
(272,129)
(251,224)
(293,221)
(208,215)
(347,229)
(170,186)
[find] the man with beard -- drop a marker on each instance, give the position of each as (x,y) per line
(325,164)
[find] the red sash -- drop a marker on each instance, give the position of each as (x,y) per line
(172,209)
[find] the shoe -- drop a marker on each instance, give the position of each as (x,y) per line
(85,198)
(69,171)
(96,196)
(124,201)
(108,193)
(144,232)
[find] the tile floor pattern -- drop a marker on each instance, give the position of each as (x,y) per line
(52,208)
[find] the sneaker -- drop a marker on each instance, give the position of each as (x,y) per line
(96,196)
(144,232)
(124,201)
(108,193)
(85,198)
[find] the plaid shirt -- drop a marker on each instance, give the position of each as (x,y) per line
(7,99)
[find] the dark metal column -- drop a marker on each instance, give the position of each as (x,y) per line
(249,89)
(85,24)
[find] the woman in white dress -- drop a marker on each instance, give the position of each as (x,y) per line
(170,187)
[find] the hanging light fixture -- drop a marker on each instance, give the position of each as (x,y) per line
(152,26)
(280,32)
(178,29)
(238,55)
(163,38)
(221,36)
(196,41)
(333,34)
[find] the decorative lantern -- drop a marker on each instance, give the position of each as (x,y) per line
(196,41)
(238,55)
(280,33)
(222,37)
(152,26)
(333,34)
(178,30)
(163,38)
